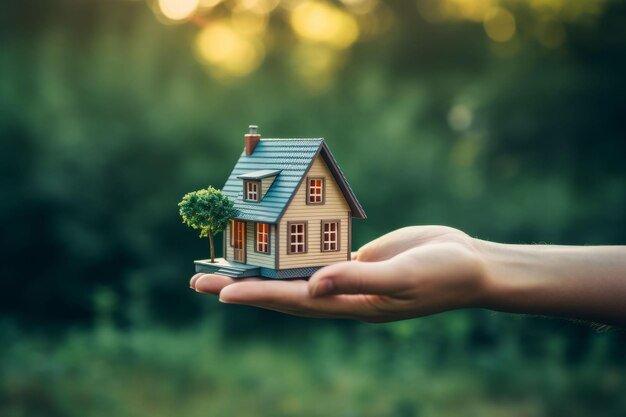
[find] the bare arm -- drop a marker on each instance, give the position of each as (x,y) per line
(567,281)
(417,271)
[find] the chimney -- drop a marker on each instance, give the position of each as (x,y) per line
(252,138)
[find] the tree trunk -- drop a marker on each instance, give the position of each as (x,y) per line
(212,246)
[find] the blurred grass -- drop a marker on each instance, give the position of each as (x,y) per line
(197,372)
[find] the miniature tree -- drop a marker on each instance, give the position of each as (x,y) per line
(208,210)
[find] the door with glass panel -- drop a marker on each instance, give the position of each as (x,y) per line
(239,241)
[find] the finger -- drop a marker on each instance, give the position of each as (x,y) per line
(354,277)
(387,246)
(398,241)
(292,297)
(192,282)
(213,283)
(264,292)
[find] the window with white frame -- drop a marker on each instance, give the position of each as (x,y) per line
(330,235)
(262,237)
(297,237)
(315,191)
(252,191)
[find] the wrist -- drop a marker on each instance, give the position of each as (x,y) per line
(509,278)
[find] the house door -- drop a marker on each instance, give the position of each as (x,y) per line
(239,243)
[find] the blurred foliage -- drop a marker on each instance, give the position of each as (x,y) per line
(366,371)
(447,113)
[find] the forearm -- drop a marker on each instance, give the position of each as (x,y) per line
(567,281)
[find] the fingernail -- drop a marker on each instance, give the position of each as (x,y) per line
(224,301)
(323,287)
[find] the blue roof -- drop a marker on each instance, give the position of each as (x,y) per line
(292,158)
(257,175)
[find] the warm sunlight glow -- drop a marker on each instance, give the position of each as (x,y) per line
(249,23)
(469,9)
(178,9)
(321,22)
(499,24)
(549,5)
(373,24)
(228,51)
(256,6)
(361,6)
(208,4)
(235,35)
(315,65)
(438,10)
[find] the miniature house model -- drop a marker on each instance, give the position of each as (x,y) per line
(295,210)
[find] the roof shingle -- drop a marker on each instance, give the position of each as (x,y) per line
(292,158)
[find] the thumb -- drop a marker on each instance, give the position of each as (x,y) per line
(354,277)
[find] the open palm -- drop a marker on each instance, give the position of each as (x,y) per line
(411,272)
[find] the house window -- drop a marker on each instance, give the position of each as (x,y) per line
(330,235)
(315,190)
(262,237)
(297,237)
(252,190)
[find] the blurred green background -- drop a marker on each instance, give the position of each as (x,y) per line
(503,118)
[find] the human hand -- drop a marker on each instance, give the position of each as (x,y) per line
(410,272)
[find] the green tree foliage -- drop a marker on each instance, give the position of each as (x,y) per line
(208,210)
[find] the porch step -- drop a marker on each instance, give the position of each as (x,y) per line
(238,272)
(228,273)
(234,268)
(227,268)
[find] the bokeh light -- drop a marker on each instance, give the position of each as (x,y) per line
(228,51)
(499,24)
(257,26)
(208,4)
(256,6)
(361,6)
(249,23)
(322,22)
(178,9)
(373,25)
(460,117)
(474,10)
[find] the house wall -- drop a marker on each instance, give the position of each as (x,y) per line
(266,260)
(266,183)
(228,250)
(335,207)
(252,257)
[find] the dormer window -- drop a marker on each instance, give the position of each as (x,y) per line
(257,183)
(252,190)
(315,190)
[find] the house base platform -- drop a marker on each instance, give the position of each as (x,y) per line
(238,270)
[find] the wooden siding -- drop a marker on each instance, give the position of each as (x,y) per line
(335,207)
(266,183)
(266,260)
(228,250)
